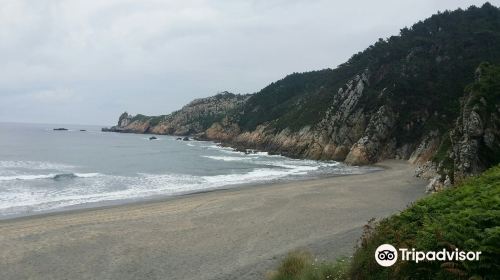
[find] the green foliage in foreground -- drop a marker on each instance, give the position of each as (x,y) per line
(299,265)
(466,217)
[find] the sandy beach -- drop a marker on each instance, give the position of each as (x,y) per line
(228,234)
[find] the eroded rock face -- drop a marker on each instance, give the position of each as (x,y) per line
(426,149)
(345,122)
(137,127)
(127,124)
(332,138)
(192,119)
(222,131)
(200,114)
(351,129)
(370,147)
(124,120)
(347,131)
(477,131)
(472,145)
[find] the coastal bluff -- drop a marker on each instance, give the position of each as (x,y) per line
(414,96)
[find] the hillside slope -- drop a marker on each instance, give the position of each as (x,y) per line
(465,218)
(400,98)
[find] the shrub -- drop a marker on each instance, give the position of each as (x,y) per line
(465,217)
(299,265)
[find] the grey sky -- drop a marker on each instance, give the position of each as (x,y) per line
(88,61)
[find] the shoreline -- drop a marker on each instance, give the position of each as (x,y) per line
(105,204)
(234,233)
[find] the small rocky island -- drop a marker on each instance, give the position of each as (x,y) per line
(60,129)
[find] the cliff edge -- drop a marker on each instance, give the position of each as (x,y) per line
(428,95)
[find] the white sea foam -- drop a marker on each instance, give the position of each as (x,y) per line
(38,165)
(47,176)
(228,158)
(29,186)
(220,148)
(96,187)
(256,175)
(97,190)
(87,175)
(26,177)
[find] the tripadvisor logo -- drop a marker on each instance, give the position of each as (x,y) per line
(386,255)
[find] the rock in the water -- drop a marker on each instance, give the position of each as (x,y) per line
(60,129)
(153,138)
(185,139)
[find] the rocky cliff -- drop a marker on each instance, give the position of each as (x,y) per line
(420,96)
(192,119)
(473,144)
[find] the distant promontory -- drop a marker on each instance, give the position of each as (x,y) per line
(430,95)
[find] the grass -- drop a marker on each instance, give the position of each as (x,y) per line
(466,217)
(300,265)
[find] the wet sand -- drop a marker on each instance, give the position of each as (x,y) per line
(227,234)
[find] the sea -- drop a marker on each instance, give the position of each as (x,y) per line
(45,170)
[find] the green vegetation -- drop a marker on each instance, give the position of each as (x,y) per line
(199,115)
(465,217)
(299,265)
(297,100)
(152,120)
(424,71)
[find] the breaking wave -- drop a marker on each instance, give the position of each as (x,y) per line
(35,186)
(61,176)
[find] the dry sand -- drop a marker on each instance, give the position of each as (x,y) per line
(228,234)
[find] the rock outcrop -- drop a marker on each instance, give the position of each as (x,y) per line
(473,144)
(192,119)
(475,139)
(349,131)
(401,98)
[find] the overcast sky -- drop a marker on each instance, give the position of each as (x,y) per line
(87,61)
